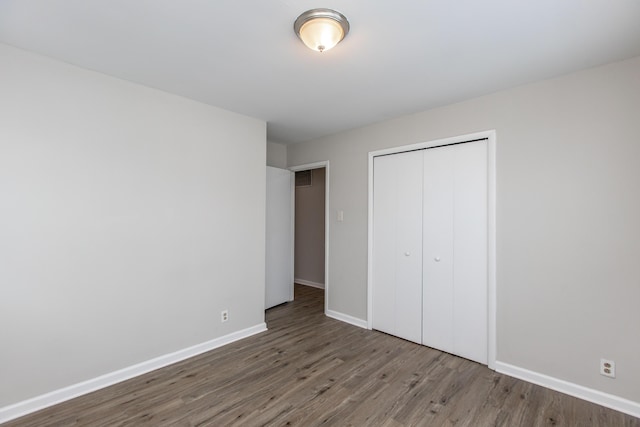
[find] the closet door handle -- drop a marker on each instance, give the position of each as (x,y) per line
(437,259)
(407,253)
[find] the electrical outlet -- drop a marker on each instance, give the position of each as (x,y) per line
(224,315)
(608,368)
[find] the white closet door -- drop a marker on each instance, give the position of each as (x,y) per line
(279,238)
(470,251)
(455,250)
(437,317)
(397,245)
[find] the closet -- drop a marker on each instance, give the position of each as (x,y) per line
(429,275)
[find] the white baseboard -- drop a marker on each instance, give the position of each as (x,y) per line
(309,283)
(346,318)
(605,399)
(37,403)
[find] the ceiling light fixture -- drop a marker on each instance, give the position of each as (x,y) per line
(321,29)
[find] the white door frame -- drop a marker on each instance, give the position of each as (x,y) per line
(490,135)
(316,165)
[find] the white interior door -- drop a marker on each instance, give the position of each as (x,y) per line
(279,237)
(397,245)
(455,250)
(437,276)
(470,275)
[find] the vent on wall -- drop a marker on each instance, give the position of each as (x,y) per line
(303,178)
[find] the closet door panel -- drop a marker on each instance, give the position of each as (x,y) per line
(409,253)
(384,245)
(397,245)
(470,251)
(438,299)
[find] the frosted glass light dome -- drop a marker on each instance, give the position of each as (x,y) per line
(321,29)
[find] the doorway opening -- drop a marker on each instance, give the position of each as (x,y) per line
(311,227)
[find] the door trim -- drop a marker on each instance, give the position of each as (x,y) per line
(316,165)
(490,135)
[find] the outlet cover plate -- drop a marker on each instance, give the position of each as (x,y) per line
(608,368)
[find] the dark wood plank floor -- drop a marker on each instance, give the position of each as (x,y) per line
(310,370)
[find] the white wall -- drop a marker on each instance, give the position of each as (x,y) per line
(568,204)
(309,231)
(129,218)
(276,155)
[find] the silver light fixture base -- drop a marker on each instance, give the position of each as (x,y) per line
(321,13)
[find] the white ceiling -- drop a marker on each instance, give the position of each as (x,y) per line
(401,56)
